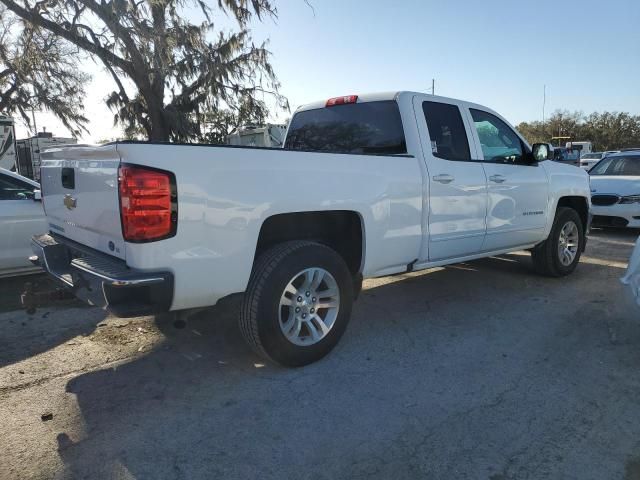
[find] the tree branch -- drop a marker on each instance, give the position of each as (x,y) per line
(37,19)
(121,33)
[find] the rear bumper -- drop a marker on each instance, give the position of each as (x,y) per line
(101,280)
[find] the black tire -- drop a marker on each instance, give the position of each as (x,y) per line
(259,314)
(546,259)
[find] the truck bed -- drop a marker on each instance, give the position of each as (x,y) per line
(225,193)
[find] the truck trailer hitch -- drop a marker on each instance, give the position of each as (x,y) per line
(31,299)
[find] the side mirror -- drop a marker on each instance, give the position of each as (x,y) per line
(541,152)
(37,195)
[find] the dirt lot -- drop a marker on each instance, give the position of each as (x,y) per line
(478,371)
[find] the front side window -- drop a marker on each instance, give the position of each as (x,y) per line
(618,166)
(14,189)
(498,141)
(367,127)
(446,130)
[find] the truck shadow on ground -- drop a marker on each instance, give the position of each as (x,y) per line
(430,371)
(24,336)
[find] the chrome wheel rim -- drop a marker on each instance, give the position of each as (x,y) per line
(568,243)
(309,306)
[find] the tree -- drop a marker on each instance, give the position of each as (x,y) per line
(38,71)
(612,130)
(166,69)
(606,131)
(218,123)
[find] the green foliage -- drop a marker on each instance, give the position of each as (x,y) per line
(170,74)
(39,71)
(607,130)
(218,123)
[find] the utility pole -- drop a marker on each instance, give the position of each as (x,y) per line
(544,101)
(433,86)
(35,126)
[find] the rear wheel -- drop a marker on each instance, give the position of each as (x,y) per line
(298,303)
(560,253)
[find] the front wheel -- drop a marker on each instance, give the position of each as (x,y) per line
(560,253)
(298,303)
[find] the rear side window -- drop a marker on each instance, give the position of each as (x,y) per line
(446,130)
(369,127)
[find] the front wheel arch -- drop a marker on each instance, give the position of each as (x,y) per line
(546,255)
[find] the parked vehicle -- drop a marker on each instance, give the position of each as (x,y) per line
(632,275)
(269,135)
(366,186)
(582,147)
(615,190)
(589,164)
(28,152)
(566,156)
(21,217)
(588,160)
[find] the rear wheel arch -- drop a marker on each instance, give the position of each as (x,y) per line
(340,230)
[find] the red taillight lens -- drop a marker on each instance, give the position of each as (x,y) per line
(148,207)
(342,100)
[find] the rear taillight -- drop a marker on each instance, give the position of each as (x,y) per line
(148,203)
(342,100)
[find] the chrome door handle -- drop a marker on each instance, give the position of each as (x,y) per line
(444,178)
(497,178)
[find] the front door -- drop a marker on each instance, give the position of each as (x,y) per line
(517,190)
(457,189)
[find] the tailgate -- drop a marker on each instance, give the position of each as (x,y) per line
(80,195)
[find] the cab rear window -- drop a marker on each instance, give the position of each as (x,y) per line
(369,128)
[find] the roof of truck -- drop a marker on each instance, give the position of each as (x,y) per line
(381,96)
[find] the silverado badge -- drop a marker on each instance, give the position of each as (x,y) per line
(69,202)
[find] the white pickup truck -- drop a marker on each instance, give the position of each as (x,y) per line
(365,186)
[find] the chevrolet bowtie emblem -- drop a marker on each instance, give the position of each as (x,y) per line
(69,202)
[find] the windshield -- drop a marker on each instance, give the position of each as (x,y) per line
(619,166)
(592,155)
(370,127)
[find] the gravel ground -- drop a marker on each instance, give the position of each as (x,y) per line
(477,371)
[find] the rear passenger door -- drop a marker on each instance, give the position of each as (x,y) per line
(457,185)
(517,190)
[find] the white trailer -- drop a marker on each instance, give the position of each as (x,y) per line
(30,149)
(7,143)
(251,136)
(583,147)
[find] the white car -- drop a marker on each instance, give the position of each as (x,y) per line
(615,190)
(21,217)
(365,186)
(588,160)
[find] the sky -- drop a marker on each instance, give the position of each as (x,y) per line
(499,53)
